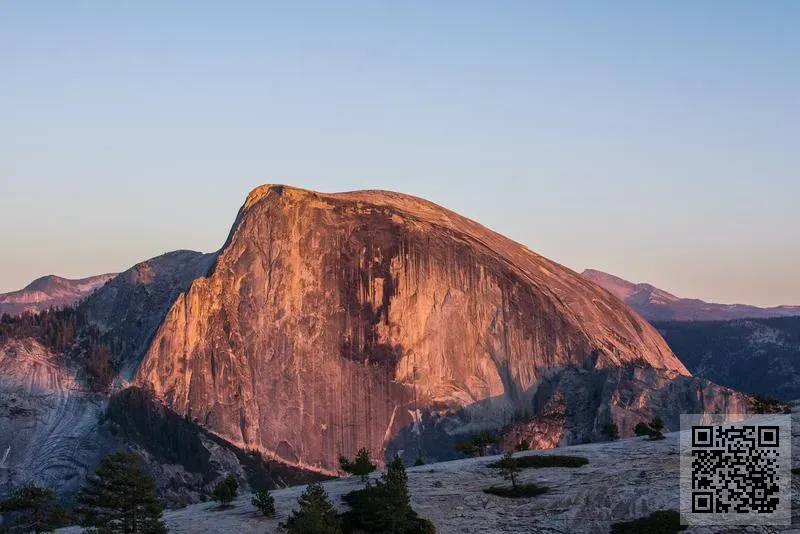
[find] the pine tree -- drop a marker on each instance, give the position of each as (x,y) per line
(385,507)
(361,467)
(32,509)
(509,468)
(121,498)
(265,502)
(226,491)
(316,514)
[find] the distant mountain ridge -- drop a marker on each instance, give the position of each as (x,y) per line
(49,292)
(655,304)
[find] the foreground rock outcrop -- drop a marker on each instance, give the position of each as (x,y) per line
(330,322)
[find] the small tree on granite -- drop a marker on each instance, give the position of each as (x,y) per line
(509,468)
(361,466)
(316,514)
(656,428)
(265,502)
(225,492)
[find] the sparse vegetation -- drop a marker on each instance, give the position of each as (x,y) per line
(32,509)
(610,430)
(361,466)
(545,460)
(654,429)
(316,514)
(121,498)
(264,502)
(763,405)
(523,445)
(385,507)
(660,522)
(478,445)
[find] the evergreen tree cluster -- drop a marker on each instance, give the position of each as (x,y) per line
(137,416)
(315,515)
(385,507)
(67,332)
(32,509)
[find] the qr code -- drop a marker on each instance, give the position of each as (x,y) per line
(738,473)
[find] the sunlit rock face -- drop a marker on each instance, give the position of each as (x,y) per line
(330,322)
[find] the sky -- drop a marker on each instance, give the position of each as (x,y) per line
(659,141)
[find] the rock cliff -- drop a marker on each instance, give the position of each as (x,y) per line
(330,322)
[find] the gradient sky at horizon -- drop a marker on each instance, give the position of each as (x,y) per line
(659,141)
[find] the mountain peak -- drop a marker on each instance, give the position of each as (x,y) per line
(659,305)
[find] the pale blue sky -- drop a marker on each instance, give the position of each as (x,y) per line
(659,141)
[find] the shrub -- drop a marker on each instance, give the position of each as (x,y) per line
(32,509)
(478,445)
(419,461)
(654,429)
(522,490)
(610,430)
(316,514)
(264,502)
(660,522)
(225,491)
(361,466)
(523,445)
(546,460)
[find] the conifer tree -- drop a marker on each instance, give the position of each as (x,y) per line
(265,502)
(316,514)
(225,491)
(361,467)
(121,498)
(509,468)
(32,509)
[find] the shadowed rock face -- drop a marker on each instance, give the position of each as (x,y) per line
(330,322)
(129,308)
